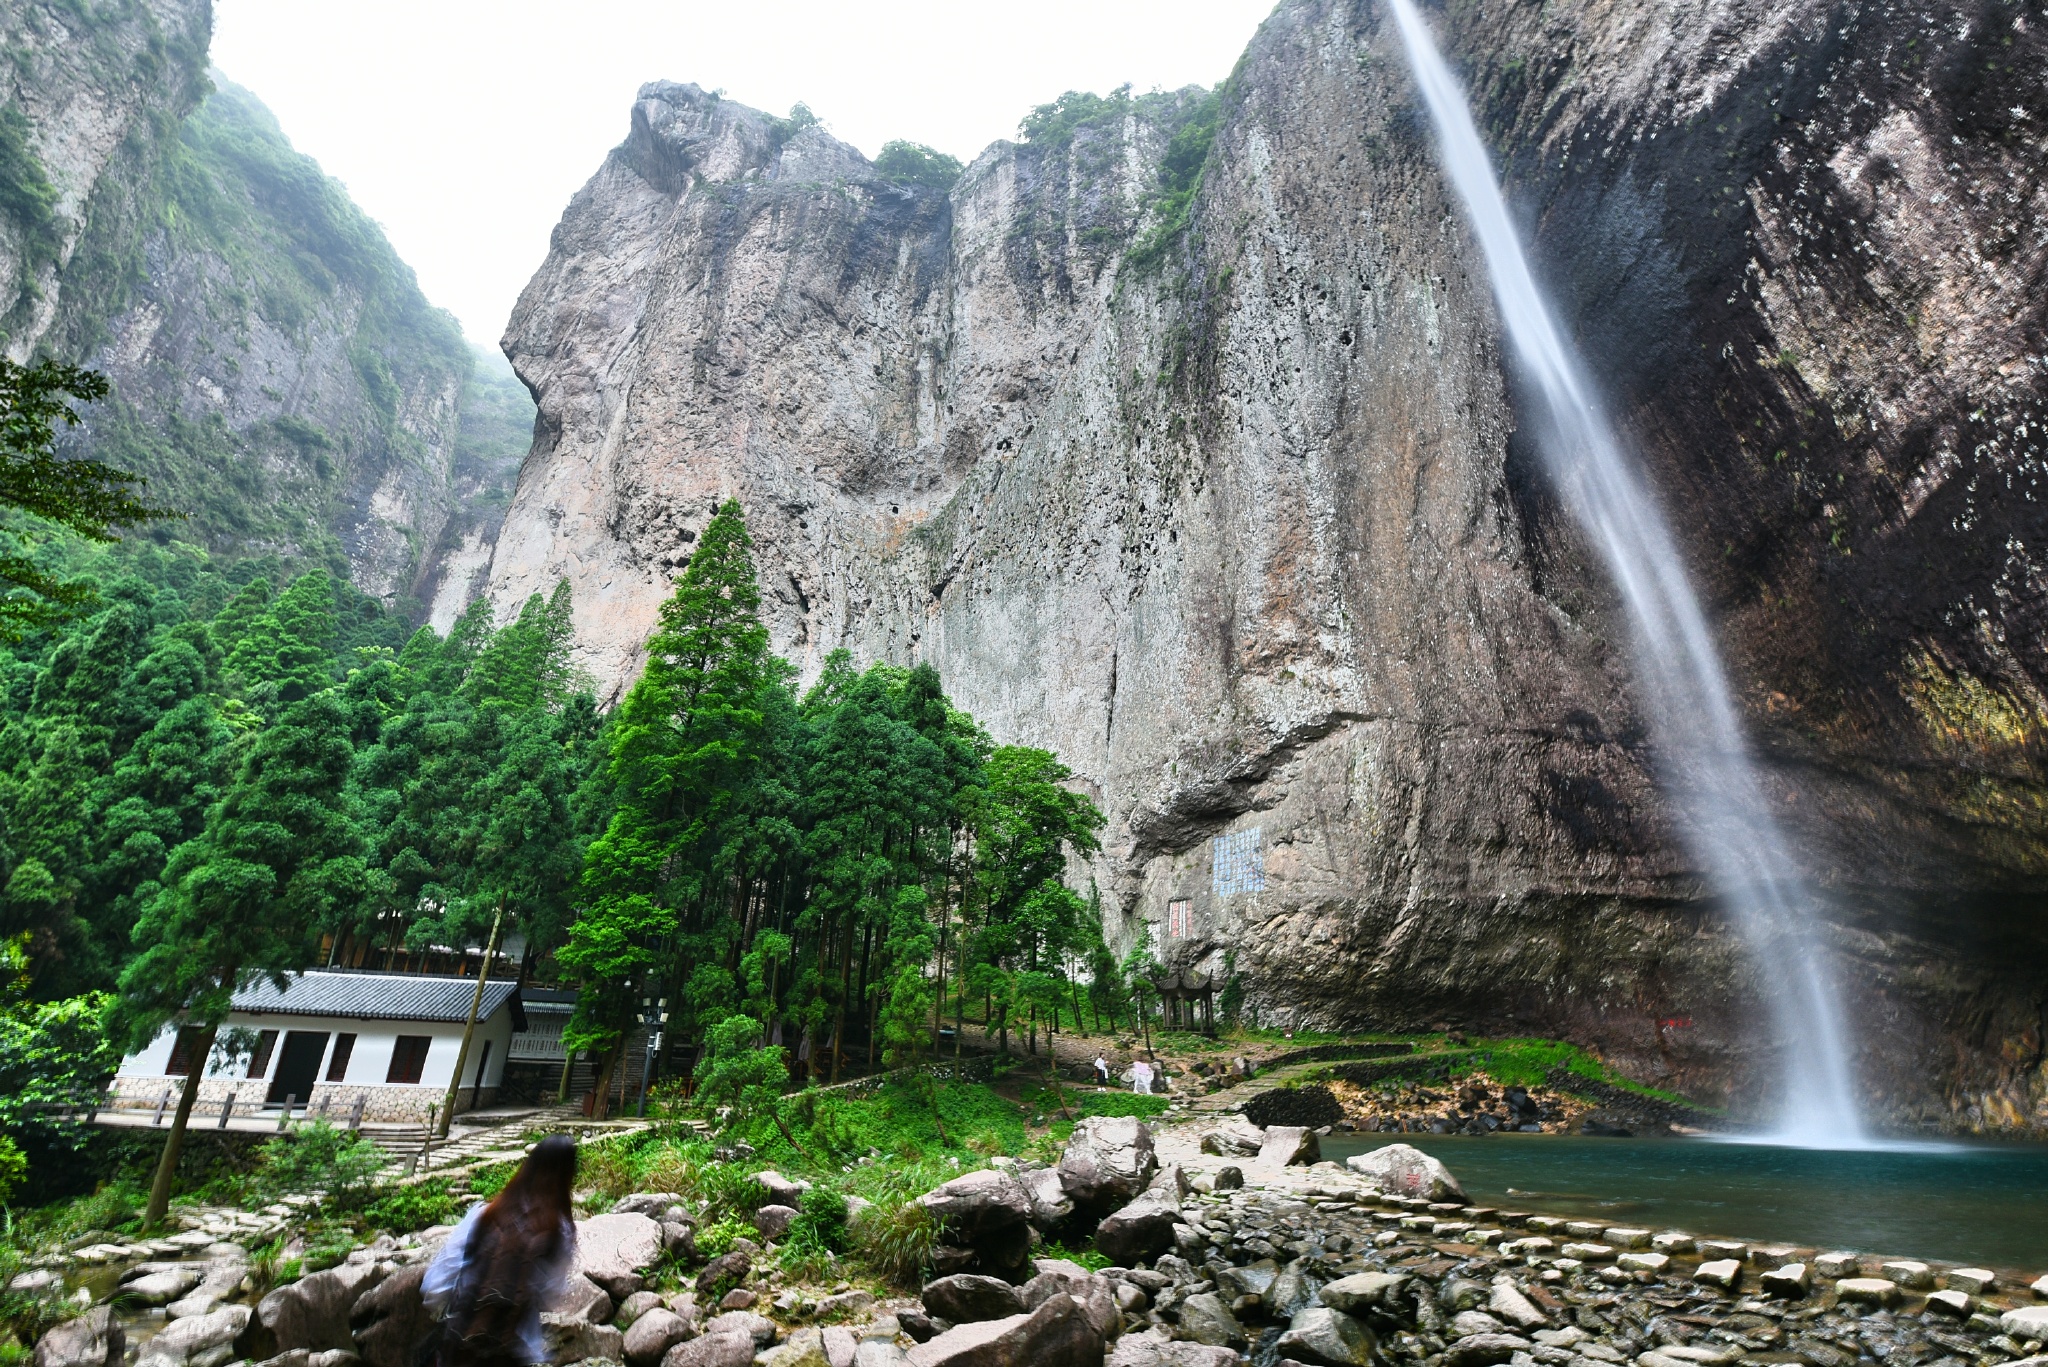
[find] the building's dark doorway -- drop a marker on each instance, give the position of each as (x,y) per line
(298,1065)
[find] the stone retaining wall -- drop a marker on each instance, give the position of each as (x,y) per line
(382,1104)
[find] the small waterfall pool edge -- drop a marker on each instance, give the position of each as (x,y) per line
(1962,1202)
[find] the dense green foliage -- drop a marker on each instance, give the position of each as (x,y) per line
(1180,178)
(814,868)
(912,163)
(84,496)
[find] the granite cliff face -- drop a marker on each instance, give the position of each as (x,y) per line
(277,373)
(1220,494)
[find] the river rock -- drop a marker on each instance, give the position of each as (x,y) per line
(615,1250)
(1204,1318)
(1256,1279)
(197,1341)
(1956,1303)
(968,1297)
(1875,1290)
(652,1334)
(773,1221)
(1725,1273)
(1911,1275)
(1973,1280)
(1466,1323)
(1673,1241)
(1787,1279)
(759,1327)
(1836,1265)
(879,1353)
(2028,1322)
(655,1205)
(1485,1350)
(1143,1350)
(1236,1137)
(1057,1334)
(581,1298)
(1050,1204)
(1330,1337)
(1290,1145)
(633,1307)
(1505,1300)
(721,1348)
(388,1322)
(1108,1161)
(1359,1292)
(1290,1291)
(93,1339)
(1404,1170)
(572,1340)
(1229,1179)
(313,1312)
(1138,1233)
(159,1284)
(804,1348)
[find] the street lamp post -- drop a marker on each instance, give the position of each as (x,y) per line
(654,1014)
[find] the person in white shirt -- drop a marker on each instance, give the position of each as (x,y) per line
(508,1258)
(1101,1071)
(1141,1077)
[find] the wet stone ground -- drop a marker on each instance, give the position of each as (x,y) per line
(1446,1285)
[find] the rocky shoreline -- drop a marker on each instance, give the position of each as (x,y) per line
(1256,1250)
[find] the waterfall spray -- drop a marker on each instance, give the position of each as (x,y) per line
(1706,762)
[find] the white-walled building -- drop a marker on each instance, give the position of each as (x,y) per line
(330,1037)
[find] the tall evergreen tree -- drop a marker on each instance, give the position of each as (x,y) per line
(276,859)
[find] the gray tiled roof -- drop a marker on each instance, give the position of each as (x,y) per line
(379,996)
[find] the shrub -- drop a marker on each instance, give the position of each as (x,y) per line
(896,1239)
(1123,1104)
(320,1157)
(13,1168)
(717,1237)
(820,1220)
(912,163)
(401,1210)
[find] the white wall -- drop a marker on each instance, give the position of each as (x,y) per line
(371,1058)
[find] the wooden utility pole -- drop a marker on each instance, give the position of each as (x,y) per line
(476,1002)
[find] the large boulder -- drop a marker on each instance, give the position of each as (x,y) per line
(389,1321)
(782,1191)
(615,1251)
(978,1203)
(1143,1350)
(570,1340)
(1056,1334)
(223,1278)
(1236,1137)
(94,1339)
(758,1327)
(1403,1170)
(1363,1291)
(725,1348)
(580,1298)
(1138,1233)
(727,1269)
(1204,1318)
(160,1283)
(1108,1161)
(1050,1204)
(196,1340)
(1331,1337)
(1290,1145)
(773,1221)
(655,1205)
(652,1334)
(967,1297)
(311,1313)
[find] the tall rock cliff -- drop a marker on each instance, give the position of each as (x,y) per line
(277,373)
(1179,437)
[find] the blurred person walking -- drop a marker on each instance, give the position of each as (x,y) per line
(504,1263)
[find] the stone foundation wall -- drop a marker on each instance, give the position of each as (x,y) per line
(382,1104)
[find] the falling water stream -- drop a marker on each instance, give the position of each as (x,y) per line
(1706,762)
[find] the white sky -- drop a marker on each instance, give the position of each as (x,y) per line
(463,126)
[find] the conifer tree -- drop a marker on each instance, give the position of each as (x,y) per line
(276,859)
(683,749)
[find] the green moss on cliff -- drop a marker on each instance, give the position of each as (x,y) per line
(27,199)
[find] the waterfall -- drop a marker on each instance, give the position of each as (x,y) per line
(1705,760)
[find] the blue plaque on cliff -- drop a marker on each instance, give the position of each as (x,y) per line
(1237,862)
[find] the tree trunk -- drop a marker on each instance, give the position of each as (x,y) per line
(174,1142)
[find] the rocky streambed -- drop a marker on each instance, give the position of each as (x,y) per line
(1270,1256)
